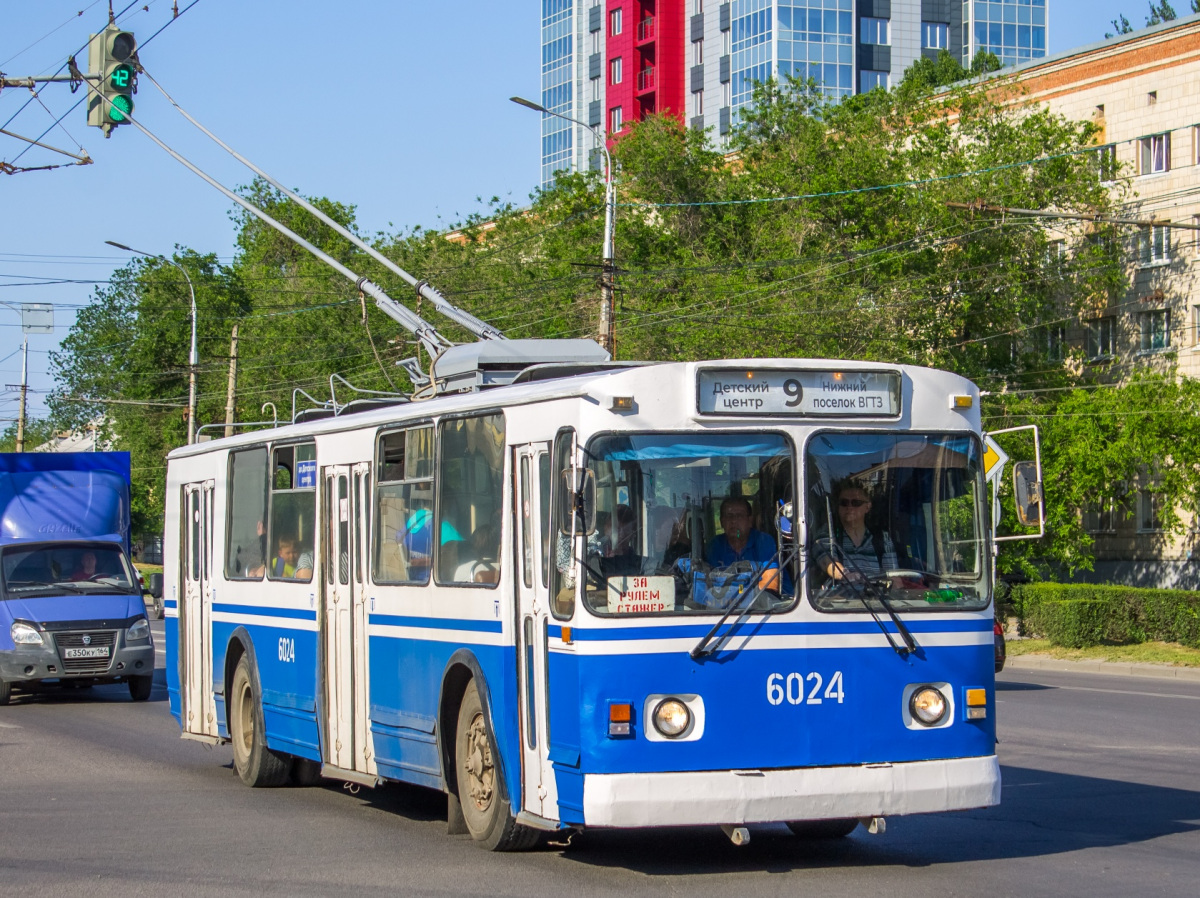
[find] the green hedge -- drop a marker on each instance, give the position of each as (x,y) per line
(1075,615)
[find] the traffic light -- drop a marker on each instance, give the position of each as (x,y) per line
(112,54)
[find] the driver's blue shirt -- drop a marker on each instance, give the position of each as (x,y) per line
(759,548)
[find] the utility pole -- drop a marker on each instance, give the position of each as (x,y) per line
(24,390)
(232,382)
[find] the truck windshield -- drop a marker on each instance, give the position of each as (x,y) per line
(685,524)
(896,520)
(46,568)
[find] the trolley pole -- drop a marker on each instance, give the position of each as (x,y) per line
(24,390)
(607,326)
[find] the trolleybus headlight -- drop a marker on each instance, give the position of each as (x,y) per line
(927,706)
(140,630)
(672,717)
(25,634)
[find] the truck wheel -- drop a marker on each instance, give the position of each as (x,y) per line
(822,829)
(159,613)
(139,687)
(256,764)
(5,692)
(486,813)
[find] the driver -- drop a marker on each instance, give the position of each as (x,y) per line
(739,541)
(855,552)
(87,567)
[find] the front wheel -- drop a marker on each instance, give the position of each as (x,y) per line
(486,812)
(255,764)
(140,687)
(5,692)
(822,829)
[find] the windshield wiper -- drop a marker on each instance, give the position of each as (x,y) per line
(702,648)
(869,585)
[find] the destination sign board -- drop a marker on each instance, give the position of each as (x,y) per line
(800,393)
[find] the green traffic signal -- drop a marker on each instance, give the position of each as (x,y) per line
(121,78)
(122,106)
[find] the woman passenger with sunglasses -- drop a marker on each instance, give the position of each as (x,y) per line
(855,552)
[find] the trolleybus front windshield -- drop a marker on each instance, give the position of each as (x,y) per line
(687,523)
(896,519)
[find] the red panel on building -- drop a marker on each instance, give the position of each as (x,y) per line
(651,47)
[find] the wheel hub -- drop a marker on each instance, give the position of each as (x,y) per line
(478,766)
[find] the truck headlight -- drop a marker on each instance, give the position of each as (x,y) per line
(927,706)
(672,717)
(139,631)
(26,634)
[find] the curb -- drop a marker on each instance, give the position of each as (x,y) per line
(1108,668)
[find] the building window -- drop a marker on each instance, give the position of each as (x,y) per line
(1196,232)
(595,88)
(595,41)
(1155,330)
(1101,517)
(1155,245)
(615,70)
(1149,506)
(1056,342)
(699,95)
(1101,337)
(698,53)
(1156,153)
(935,36)
(614,119)
(1106,162)
(873,31)
(1056,253)
(868,80)
(1196,325)
(614,19)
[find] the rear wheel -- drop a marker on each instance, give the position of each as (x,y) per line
(5,692)
(822,829)
(485,811)
(256,764)
(140,687)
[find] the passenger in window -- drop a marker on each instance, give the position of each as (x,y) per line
(283,565)
(250,559)
(482,566)
(86,569)
(417,539)
(304,564)
(855,552)
(739,541)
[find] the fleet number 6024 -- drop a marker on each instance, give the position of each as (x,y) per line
(804,689)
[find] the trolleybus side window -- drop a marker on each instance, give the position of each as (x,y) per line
(690,524)
(290,537)
(246,532)
(470,499)
(562,572)
(896,519)
(544,495)
(404,506)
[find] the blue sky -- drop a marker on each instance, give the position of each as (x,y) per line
(396,106)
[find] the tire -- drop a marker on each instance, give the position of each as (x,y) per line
(822,829)
(256,765)
(159,612)
(306,772)
(485,810)
(140,687)
(5,692)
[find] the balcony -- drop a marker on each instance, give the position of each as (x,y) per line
(646,30)
(646,79)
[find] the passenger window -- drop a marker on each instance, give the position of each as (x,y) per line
(566,547)
(293,512)
(404,507)
(246,531)
(470,496)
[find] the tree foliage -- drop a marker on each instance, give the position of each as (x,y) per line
(859,229)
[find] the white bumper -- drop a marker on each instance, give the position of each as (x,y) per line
(753,796)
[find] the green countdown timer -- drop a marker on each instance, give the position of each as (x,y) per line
(122,106)
(121,77)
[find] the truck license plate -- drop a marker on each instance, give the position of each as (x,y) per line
(96,651)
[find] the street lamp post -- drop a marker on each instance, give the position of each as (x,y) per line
(194,357)
(607,324)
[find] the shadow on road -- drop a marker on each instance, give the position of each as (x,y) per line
(1009,686)
(1042,814)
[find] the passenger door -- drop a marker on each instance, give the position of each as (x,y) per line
(345,501)
(539,795)
(195,615)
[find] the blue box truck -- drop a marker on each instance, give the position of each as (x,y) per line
(71,607)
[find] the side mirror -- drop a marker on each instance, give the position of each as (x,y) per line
(578,501)
(155,585)
(1028,491)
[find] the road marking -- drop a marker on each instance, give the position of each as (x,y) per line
(9,726)
(1194,698)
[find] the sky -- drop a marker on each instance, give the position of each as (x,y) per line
(398,107)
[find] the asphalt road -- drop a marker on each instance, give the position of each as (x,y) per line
(100,796)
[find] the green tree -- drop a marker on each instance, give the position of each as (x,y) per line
(1161,12)
(37,431)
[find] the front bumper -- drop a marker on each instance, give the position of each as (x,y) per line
(763,796)
(34,663)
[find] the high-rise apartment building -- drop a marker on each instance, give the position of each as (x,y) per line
(611,62)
